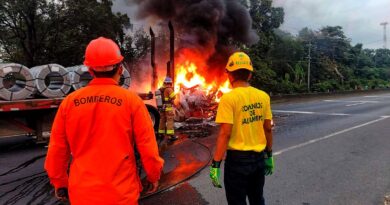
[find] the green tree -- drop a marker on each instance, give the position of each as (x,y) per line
(382,58)
(329,49)
(286,57)
(135,47)
(40,31)
(25,26)
(265,19)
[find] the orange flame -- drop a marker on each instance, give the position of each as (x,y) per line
(224,88)
(187,76)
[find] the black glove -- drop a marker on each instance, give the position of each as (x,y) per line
(62,193)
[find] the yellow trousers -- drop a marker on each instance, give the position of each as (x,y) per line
(166,122)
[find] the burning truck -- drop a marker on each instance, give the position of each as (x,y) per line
(202,36)
(197,58)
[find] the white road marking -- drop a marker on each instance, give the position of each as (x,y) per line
(360,103)
(328,136)
(293,111)
(308,112)
(353,101)
(335,114)
(377,96)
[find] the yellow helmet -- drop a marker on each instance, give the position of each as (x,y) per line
(239,60)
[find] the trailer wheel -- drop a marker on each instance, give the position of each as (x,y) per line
(154,115)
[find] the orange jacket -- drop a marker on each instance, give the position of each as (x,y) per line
(98,126)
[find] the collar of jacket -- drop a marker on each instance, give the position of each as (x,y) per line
(103,81)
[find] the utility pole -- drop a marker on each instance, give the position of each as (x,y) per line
(384,24)
(308,68)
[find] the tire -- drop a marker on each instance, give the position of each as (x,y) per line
(155,116)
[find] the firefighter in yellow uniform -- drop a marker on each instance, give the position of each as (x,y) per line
(167,114)
(245,116)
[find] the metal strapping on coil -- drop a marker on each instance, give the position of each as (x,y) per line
(57,78)
(125,79)
(79,76)
(23,82)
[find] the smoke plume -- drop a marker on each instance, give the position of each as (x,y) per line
(205,27)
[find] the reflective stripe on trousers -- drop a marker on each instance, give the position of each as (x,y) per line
(166,122)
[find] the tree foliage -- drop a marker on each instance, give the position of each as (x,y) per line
(281,59)
(37,32)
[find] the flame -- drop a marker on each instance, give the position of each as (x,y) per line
(224,88)
(187,76)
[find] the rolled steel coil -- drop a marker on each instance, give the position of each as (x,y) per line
(16,82)
(125,80)
(79,76)
(51,80)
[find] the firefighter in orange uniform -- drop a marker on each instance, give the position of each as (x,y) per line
(97,127)
(167,114)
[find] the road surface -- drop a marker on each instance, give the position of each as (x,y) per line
(328,151)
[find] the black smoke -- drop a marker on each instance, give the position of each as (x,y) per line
(207,27)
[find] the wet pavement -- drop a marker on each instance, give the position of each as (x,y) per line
(182,160)
(327,152)
(23,180)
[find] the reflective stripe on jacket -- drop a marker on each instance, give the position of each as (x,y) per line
(168,95)
(98,126)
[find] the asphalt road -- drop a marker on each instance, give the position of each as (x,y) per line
(328,151)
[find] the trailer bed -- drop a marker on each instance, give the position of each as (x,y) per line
(29,104)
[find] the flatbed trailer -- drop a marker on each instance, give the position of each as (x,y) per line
(34,117)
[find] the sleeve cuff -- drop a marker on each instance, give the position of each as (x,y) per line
(59,183)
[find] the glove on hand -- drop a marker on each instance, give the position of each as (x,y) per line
(269,163)
(62,194)
(215,172)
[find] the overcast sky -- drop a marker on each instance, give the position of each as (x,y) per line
(360,19)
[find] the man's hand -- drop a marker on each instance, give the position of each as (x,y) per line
(151,187)
(269,163)
(215,172)
(62,194)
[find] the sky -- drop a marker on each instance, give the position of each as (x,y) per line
(360,19)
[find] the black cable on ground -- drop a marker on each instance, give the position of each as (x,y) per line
(23,165)
(20,179)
